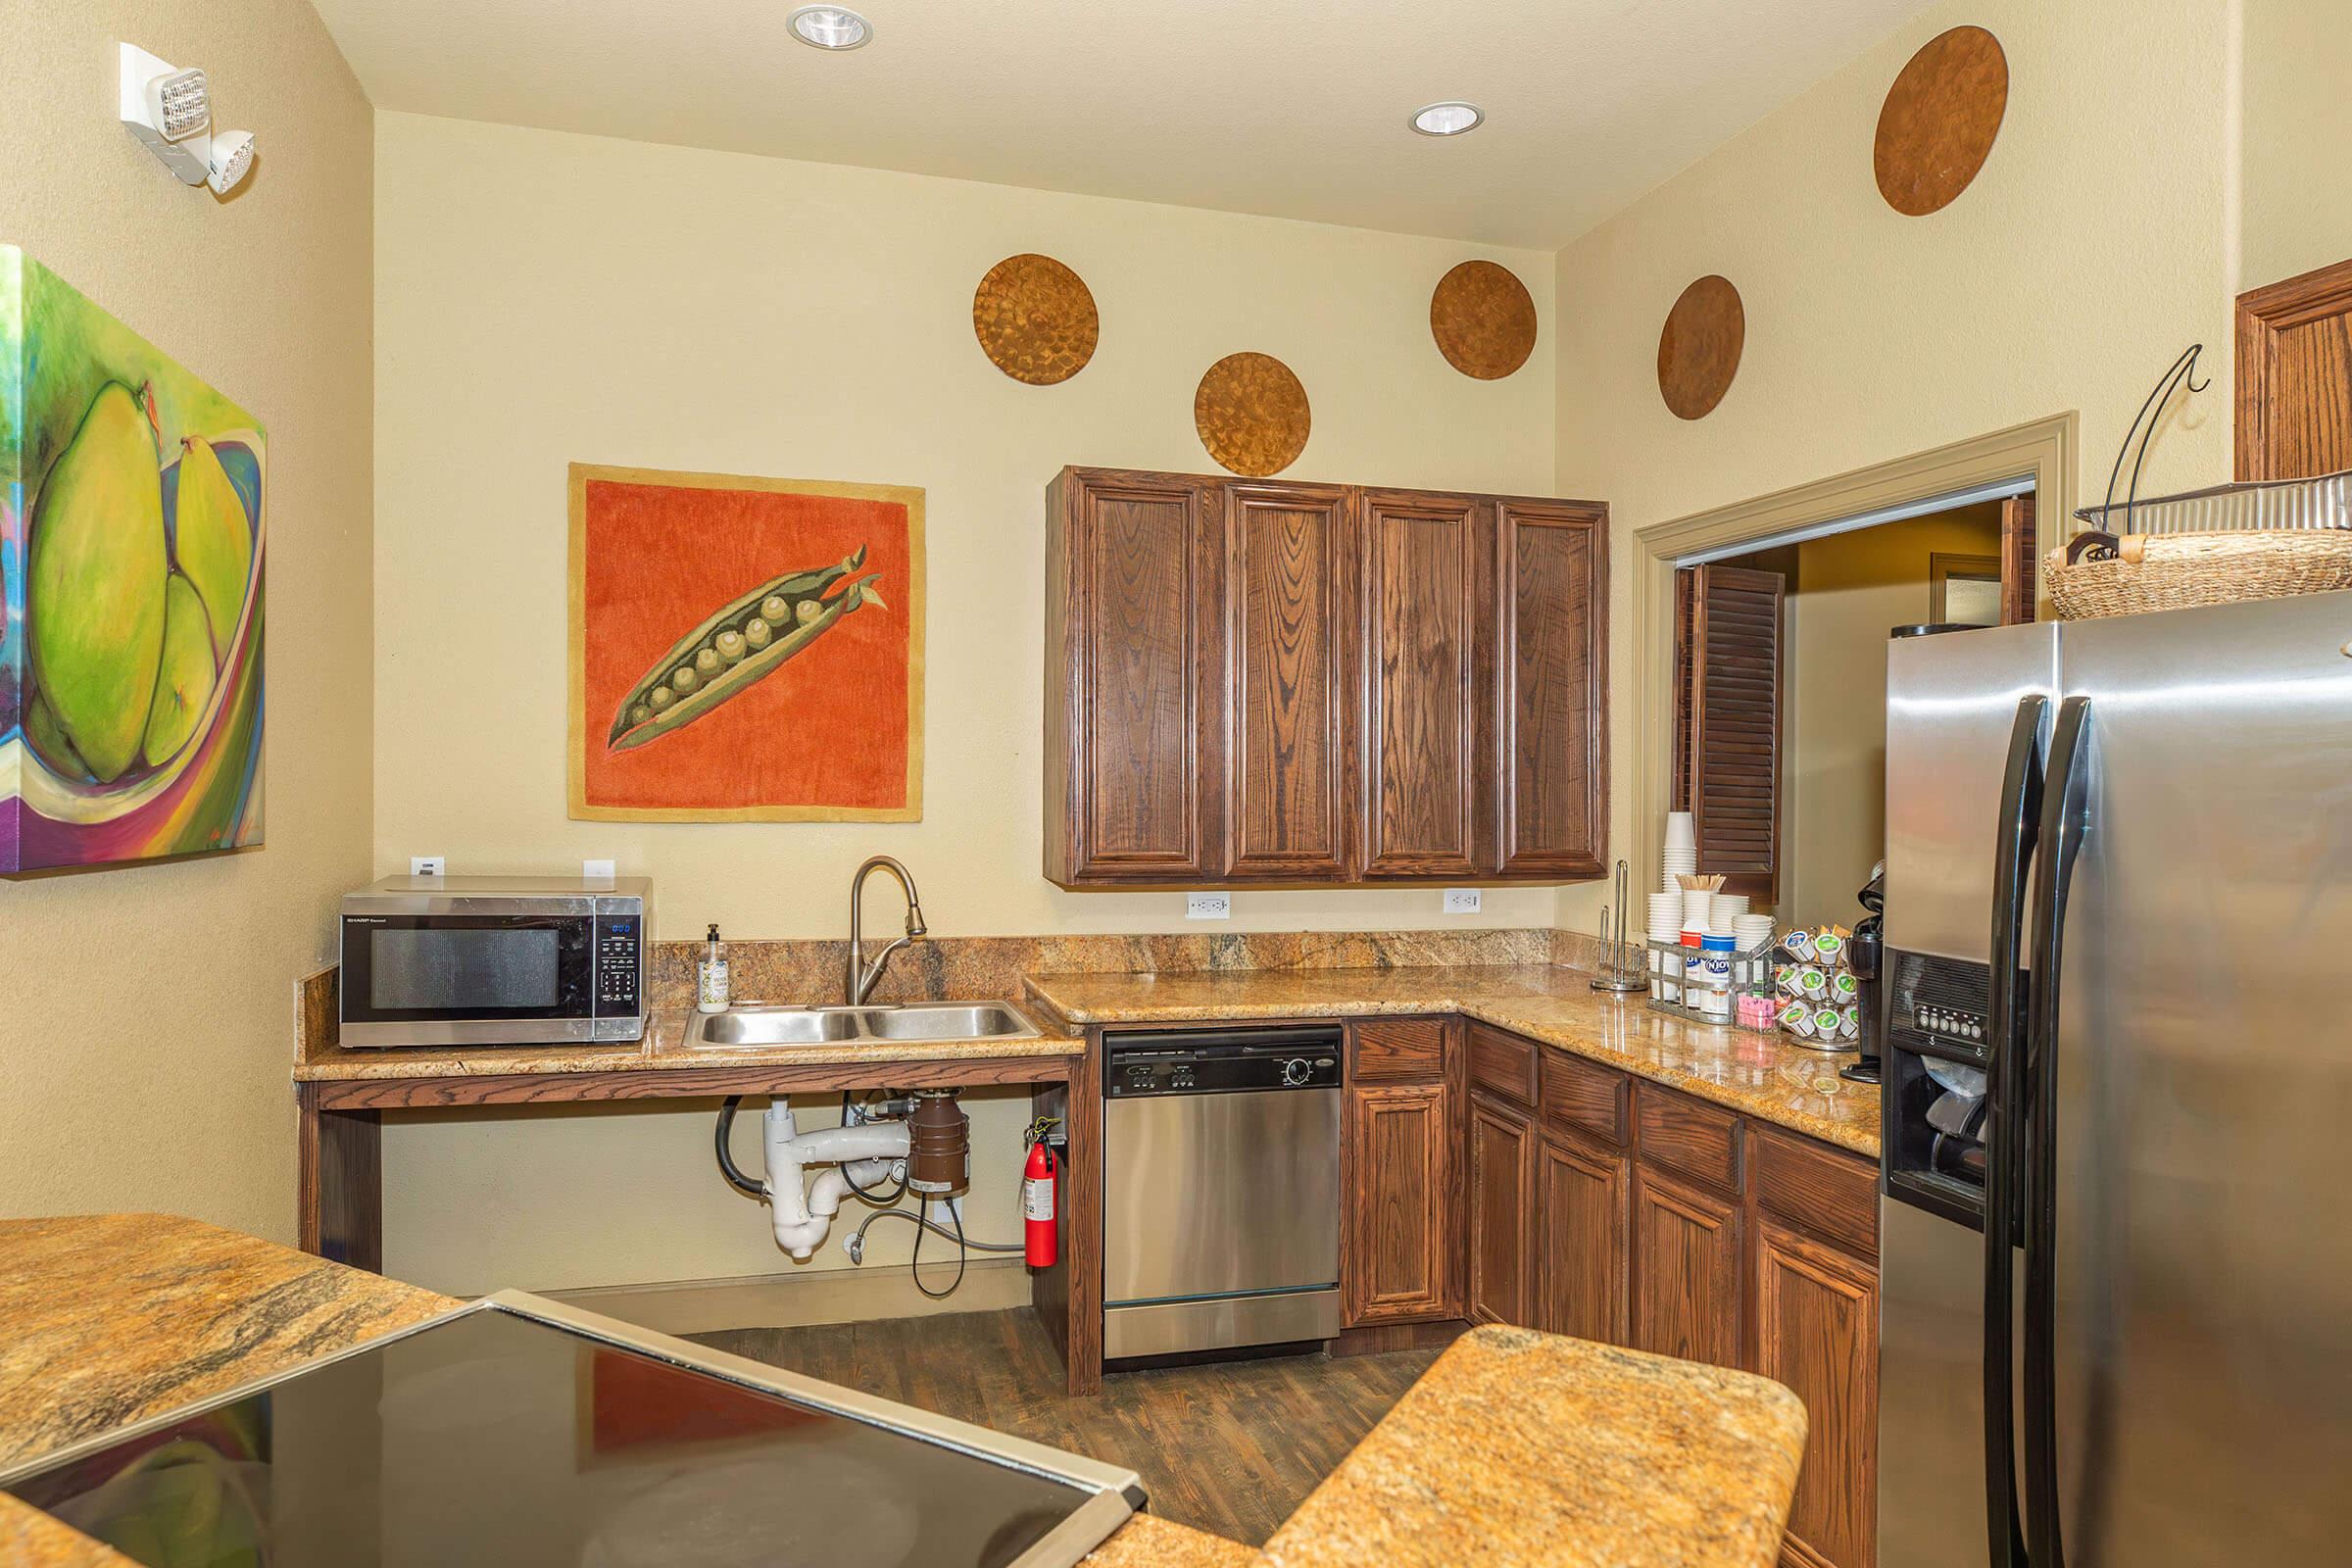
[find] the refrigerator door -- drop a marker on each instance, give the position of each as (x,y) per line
(1951,706)
(2202,1346)
(1950,703)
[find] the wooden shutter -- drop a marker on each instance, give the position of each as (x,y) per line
(2295,376)
(2017,560)
(1734,754)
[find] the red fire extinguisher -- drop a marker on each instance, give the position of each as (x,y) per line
(1037,1177)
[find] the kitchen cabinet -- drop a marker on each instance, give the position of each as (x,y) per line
(1817,1331)
(1614,1208)
(1428,686)
(1685,1270)
(1135,724)
(1503,1212)
(1399,1231)
(1553,668)
(1582,1239)
(1287,559)
(1257,681)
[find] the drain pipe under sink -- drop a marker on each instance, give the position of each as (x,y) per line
(863,1152)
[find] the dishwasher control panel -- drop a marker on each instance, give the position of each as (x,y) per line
(1226,1062)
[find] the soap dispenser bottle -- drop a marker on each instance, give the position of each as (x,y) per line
(710,976)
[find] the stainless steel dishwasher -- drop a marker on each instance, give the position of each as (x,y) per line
(1221,1189)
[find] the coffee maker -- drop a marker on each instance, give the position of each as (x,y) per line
(1863,954)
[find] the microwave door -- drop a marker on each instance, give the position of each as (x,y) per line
(440,979)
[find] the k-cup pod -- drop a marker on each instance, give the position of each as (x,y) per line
(1800,945)
(1843,986)
(1812,982)
(1825,1023)
(1828,945)
(1798,1020)
(1849,1021)
(1785,980)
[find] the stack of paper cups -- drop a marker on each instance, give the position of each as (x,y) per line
(1699,906)
(1666,925)
(1723,908)
(1681,853)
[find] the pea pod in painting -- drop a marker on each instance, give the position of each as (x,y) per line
(738,645)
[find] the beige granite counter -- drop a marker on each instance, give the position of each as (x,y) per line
(1520,1447)
(1757,1074)
(1515,1447)
(664,1048)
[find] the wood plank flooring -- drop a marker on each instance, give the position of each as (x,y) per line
(1229,1446)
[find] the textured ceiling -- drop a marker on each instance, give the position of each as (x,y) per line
(1291,108)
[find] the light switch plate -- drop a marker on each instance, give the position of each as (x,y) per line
(1461,900)
(595,870)
(1209,905)
(427,866)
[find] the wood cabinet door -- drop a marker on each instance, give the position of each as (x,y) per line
(1139,716)
(1503,1210)
(1582,1232)
(1285,570)
(1428,733)
(1817,1331)
(1686,1271)
(1552,602)
(1393,1266)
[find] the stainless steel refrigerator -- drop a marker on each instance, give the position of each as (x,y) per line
(2118,992)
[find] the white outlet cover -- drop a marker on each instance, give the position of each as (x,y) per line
(1461,900)
(1209,905)
(595,870)
(427,866)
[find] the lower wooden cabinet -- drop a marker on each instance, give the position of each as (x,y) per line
(1685,1270)
(1502,1211)
(1817,1331)
(1582,1228)
(1400,1228)
(1508,1182)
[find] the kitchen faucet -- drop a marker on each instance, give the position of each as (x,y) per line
(859,976)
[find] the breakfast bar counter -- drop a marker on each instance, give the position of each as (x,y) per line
(1514,1448)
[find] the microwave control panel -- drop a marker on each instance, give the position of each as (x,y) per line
(619,960)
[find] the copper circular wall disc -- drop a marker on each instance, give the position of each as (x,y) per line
(1252,413)
(1699,352)
(1035,320)
(1939,121)
(1483,319)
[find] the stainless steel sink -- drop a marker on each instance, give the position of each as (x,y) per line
(753,1026)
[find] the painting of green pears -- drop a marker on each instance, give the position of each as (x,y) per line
(132,518)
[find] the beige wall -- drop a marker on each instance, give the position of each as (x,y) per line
(545,298)
(1851,587)
(2096,246)
(2297,146)
(144,1042)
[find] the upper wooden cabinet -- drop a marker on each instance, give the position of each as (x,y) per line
(1288,598)
(1135,713)
(1553,667)
(1264,682)
(1429,682)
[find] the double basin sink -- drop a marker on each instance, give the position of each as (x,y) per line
(753,1025)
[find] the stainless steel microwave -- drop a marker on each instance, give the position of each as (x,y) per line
(480,960)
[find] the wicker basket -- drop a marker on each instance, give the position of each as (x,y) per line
(2179,570)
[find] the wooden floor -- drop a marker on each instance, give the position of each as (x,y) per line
(1229,1446)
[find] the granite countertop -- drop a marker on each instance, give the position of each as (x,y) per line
(1757,1074)
(664,1048)
(1514,1448)
(1525,1448)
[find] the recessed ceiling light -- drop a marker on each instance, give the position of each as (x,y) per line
(831,28)
(1449,118)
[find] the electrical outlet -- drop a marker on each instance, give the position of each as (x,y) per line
(427,866)
(1209,905)
(1461,900)
(595,870)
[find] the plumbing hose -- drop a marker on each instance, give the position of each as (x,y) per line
(934,1225)
(726,1152)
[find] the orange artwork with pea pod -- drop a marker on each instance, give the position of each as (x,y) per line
(745,650)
